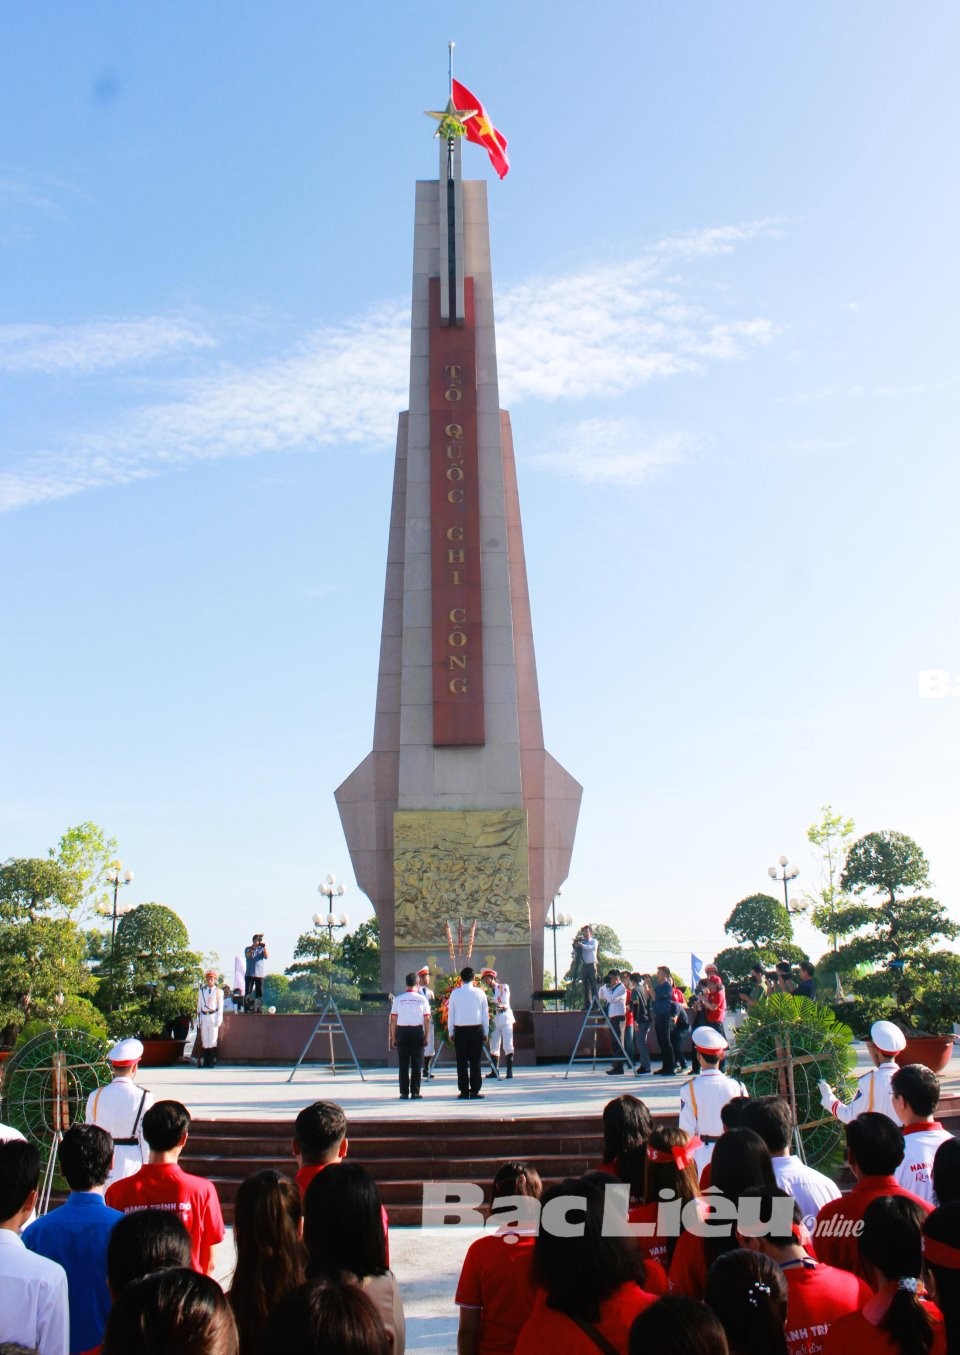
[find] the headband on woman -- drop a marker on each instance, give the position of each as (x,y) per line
(681,1155)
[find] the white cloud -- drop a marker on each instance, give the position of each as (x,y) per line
(615,452)
(601,331)
(97,346)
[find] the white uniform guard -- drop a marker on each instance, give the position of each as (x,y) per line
(423,986)
(703,1097)
(119,1108)
(210,1017)
(873,1089)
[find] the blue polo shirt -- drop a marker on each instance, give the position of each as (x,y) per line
(76,1235)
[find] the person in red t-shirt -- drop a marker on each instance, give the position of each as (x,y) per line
(162,1184)
(817,1294)
(320,1139)
(664,1169)
(589,1283)
(875,1151)
(495,1293)
(897,1319)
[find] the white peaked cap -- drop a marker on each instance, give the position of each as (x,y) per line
(888,1038)
(126,1052)
(709,1040)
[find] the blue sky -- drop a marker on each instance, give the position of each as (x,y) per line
(726,271)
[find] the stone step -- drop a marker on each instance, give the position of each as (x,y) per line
(400,1154)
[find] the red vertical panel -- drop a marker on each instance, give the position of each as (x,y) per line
(455,528)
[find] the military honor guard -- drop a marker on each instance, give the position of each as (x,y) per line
(209,1019)
(703,1097)
(874,1092)
(119,1108)
(430,1047)
(503,1022)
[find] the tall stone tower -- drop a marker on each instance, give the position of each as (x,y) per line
(459,812)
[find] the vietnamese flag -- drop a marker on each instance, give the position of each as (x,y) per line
(480,130)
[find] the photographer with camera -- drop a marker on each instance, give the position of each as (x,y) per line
(256,953)
(585,949)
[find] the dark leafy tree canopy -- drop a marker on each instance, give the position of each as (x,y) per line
(760,920)
(42,952)
(886,862)
(156,974)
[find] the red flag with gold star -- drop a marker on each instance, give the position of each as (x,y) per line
(479,129)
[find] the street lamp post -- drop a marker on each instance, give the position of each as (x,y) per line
(786,873)
(559,921)
(118,877)
(331,889)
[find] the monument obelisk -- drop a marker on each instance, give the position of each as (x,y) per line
(459,812)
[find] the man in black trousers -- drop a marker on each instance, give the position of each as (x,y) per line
(468,1021)
(409,1028)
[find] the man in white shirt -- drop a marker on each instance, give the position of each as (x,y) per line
(587,948)
(704,1096)
(468,1022)
(409,1024)
(873,1089)
(614,994)
(33,1291)
(770,1117)
(916,1095)
(119,1108)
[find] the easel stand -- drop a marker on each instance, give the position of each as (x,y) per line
(594,1019)
(330,1022)
(444,1042)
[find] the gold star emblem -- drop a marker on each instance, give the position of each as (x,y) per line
(451,119)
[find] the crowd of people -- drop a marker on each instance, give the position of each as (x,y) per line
(709,1238)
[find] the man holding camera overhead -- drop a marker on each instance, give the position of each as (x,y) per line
(256,954)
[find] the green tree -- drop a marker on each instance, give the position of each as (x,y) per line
(279,992)
(735,962)
(608,957)
(42,952)
(87,853)
(893,931)
(830,835)
(360,955)
(154,975)
(760,921)
(320,966)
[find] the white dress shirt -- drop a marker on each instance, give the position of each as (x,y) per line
(811,1189)
(33,1298)
(615,998)
(468,1007)
(920,1144)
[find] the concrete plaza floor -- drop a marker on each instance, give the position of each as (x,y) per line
(426,1261)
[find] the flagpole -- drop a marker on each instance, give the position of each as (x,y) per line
(450,47)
